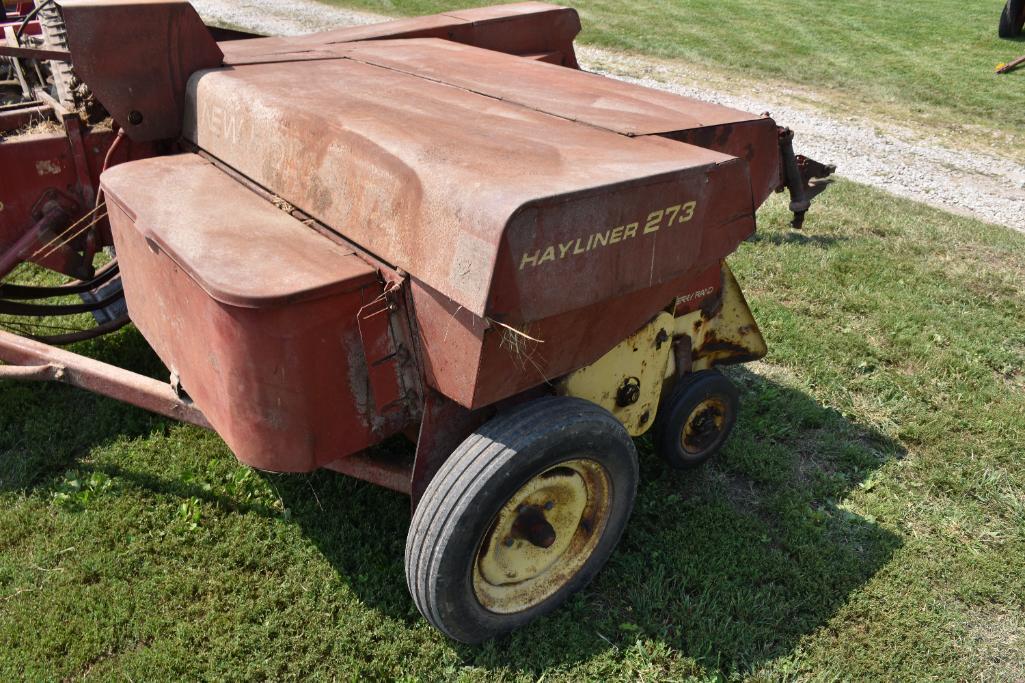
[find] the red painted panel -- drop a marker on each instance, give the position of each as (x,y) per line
(29,166)
(477,363)
(519,28)
(282,378)
(137,57)
(423,179)
(755,141)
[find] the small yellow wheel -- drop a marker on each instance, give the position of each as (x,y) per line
(695,420)
(523,514)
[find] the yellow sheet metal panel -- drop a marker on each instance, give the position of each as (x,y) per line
(627,381)
(724,335)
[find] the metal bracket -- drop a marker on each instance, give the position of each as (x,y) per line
(627,381)
(804,177)
(722,335)
(384,356)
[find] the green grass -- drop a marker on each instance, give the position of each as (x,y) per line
(867,519)
(929,61)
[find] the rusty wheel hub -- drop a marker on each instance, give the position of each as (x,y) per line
(542,536)
(704,425)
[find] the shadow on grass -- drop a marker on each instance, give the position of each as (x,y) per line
(729,565)
(56,423)
(797,237)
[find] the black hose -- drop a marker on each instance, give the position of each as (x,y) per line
(25,292)
(81,335)
(47,310)
(29,17)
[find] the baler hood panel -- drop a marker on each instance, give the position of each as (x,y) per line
(526,28)
(484,200)
(567,93)
(241,250)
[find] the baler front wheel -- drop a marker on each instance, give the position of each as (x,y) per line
(696,419)
(523,514)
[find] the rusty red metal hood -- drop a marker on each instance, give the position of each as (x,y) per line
(518,189)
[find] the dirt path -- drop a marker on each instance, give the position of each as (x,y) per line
(905,162)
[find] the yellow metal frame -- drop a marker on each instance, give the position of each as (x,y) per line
(726,334)
(639,359)
(723,334)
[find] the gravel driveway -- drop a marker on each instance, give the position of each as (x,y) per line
(984,186)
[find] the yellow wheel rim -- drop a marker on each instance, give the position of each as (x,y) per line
(704,425)
(542,536)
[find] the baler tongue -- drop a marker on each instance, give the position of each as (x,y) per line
(805,178)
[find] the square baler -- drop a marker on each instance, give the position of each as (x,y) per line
(448,232)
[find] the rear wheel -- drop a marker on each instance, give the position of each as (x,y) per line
(523,514)
(1012,19)
(696,419)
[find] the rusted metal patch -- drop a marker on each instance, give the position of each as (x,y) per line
(573,95)
(722,331)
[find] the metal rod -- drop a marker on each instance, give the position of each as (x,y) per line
(95,376)
(1011,65)
(19,105)
(35,53)
(799,203)
(32,373)
(389,471)
(25,91)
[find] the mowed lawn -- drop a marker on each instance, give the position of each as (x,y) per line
(866,521)
(927,62)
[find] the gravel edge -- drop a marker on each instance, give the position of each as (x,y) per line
(903,162)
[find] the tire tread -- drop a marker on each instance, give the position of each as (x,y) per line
(461,477)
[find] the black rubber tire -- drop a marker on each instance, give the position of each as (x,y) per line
(1012,19)
(489,467)
(689,392)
